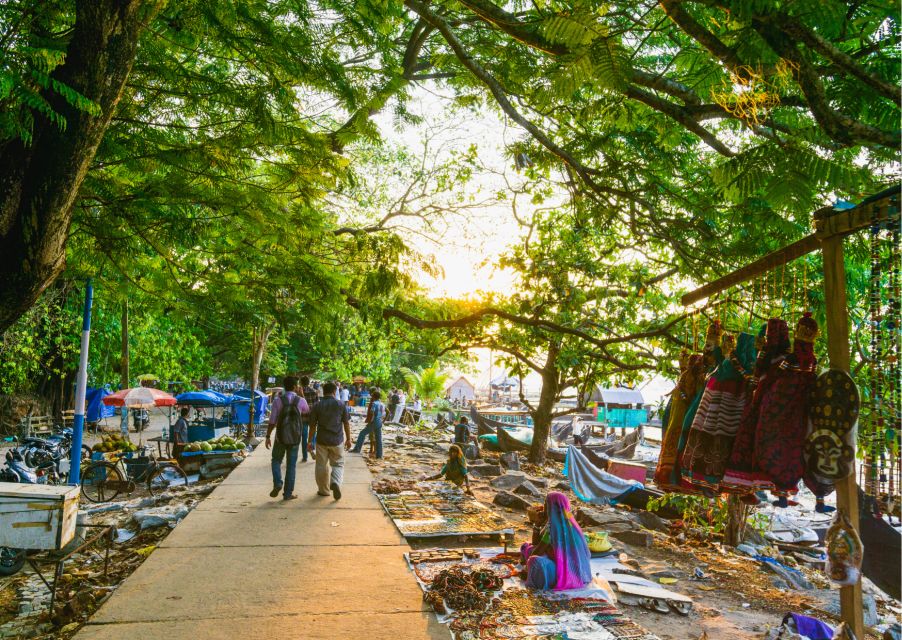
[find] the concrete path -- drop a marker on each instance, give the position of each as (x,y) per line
(243,565)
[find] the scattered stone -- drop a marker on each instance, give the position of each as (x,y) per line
(794,578)
(598,518)
(529,490)
(747,549)
(634,537)
(508,481)
(669,573)
(506,499)
(652,521)
(830,600)
(485,470)
(510,460)
(159,516)
(539,482)
(562,486)
(471,452)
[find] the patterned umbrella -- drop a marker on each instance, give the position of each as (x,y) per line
(140,398)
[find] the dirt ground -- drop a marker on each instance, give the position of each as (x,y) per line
(736,600)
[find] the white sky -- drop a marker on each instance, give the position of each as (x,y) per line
(467,253)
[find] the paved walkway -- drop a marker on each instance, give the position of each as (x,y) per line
(243,565)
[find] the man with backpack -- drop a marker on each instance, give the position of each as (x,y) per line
(286,420)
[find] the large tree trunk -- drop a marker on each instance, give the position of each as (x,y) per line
(261,336)
(39,183)
(541,415)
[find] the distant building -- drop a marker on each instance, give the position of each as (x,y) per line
(461,390)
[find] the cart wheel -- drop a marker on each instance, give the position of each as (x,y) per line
(164,476)
(101,481)
(11,560)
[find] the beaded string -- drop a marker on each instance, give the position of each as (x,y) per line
(874,304)
(894,386)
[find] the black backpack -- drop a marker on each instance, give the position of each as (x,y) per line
(289,425)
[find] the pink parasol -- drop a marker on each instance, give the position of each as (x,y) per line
(140,398)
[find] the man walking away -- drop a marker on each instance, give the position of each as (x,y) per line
(344,394)
(330,424)
(312,398)
(393,401)
(285,418)
(179,435)
(309,392)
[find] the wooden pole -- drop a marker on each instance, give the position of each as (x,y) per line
(838,351)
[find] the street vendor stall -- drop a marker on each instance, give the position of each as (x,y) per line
(241,406)
(204,425)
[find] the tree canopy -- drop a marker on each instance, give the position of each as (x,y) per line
(221,166)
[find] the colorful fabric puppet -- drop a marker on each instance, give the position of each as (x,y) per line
(783,419)
(713,431)
(692,378)
(742,475)
(561,560)
(712,356)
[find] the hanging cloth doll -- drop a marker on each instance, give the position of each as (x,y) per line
(692,372)
(783,419)
(742,475)
(711,436)
(712,356)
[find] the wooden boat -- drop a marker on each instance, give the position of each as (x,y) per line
(624,448)
(488,426)
(512,438)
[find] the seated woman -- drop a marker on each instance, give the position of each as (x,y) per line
(561,559)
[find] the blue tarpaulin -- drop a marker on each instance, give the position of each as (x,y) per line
(95,410)
(242,405)
(205,398)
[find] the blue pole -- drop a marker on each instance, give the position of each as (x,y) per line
(81,384)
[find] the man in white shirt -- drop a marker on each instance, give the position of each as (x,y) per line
(344,394)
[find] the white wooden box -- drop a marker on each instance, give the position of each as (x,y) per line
(37,516)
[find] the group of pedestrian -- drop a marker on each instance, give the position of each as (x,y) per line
(318,422)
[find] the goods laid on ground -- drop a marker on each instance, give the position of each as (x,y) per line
(479,594)
(434,509)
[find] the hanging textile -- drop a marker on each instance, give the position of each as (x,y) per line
(742,474)
(713,431)
(712,356)
(783,420)
(692,375)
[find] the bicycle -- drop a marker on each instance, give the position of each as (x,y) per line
(104,480)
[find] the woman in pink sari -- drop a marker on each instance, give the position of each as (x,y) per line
(561,559)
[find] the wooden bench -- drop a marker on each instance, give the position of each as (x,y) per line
(68,417)
(36,426)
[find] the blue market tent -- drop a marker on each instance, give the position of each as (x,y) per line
(242,404)
(205,398)
(95,410)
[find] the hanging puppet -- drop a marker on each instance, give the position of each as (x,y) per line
(713,430)
(783,416)
(692,377)
(742,475)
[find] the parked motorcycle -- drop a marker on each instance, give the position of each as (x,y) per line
(57,447)
(17,470)
(140,419)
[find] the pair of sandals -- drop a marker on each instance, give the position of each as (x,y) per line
(660,605)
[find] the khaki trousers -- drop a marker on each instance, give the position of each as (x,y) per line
(327,456)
